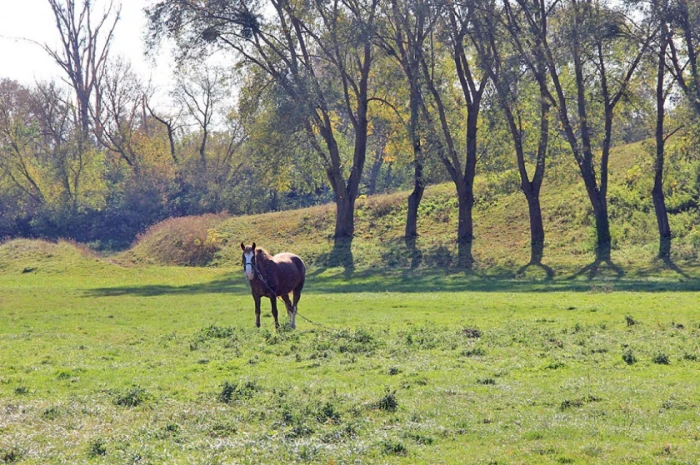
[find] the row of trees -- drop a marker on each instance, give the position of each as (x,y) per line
(575,60)
(325,87)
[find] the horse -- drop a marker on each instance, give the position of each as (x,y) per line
(274,277)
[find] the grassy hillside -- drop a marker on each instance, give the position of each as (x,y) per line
(501,227)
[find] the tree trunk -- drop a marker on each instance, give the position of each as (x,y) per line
(657,193)
(465,229)
(602,227)
(374,173)
(344,216)
(536,227)
(662,220)
(418,181)
(414,200)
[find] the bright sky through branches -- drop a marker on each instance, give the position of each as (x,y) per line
(24,21)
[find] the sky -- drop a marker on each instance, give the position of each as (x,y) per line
(23,21)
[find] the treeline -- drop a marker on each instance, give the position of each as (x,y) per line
(335,99)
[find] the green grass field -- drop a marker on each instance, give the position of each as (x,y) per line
(107,364)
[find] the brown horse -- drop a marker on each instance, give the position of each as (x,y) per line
(274,277)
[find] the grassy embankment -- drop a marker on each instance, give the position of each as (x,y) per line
(501,228)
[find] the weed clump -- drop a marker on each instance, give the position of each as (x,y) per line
(420,438)
(97,448)
(472,333)
(237,391)
(661,359)
(628,357)
(476,352)
(567,404)
(327,413)
(51,413)
(132,397)
(222,430)
(354,342)
(393,447)
(388,402)
(394,371)
(10,456)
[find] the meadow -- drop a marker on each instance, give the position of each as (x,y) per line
(103,363)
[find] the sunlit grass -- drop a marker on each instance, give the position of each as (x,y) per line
(164,365)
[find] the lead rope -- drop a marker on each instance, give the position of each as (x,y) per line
(259,275)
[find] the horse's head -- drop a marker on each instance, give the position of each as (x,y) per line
(248,260)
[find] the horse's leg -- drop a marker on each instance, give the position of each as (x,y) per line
(297,297)
(256,298)
(290,310)
(273,301)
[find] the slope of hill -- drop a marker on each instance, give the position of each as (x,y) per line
(37,256)
(501,229)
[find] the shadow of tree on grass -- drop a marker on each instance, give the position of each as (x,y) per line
(336,280)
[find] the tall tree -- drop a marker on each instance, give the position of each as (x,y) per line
(121,117)
(684,17)
(84,49)
(408,25)
(589,37)
(304,48)
(456,21)
(201,91)
(510,65)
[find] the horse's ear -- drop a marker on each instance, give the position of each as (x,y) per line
(242,246)
(253,245)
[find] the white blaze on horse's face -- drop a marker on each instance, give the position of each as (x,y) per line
(248,266)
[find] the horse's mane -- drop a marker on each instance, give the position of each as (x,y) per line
(264,260)
(263,254)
